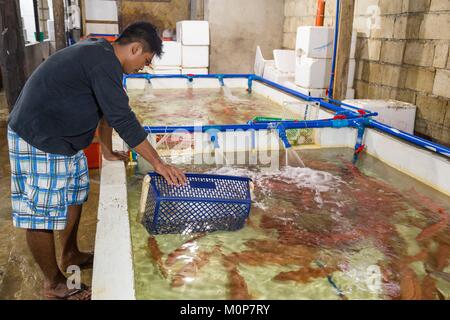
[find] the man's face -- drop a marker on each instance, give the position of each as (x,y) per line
(136,58)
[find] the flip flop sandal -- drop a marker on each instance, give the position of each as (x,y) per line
(84,293)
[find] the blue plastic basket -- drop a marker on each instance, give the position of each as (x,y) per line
(206,203)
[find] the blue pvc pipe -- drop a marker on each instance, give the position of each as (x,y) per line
(440,149)
(333,61)
(298,125)
(328,123)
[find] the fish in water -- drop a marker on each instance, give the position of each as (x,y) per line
(156,255)
(436,228)
(238,286)
(410,285)
(191,269)
(304,275)
(175,255)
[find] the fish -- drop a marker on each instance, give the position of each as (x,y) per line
(174,255)
(409,285)
(436,228)
(157,255)
(305,274)
(237,284)
(442,256)
(421,256)
(191,269)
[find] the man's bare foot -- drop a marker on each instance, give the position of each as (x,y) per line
(84,260)
(61,292)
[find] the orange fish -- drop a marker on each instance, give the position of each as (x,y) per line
(156,255)
(436,228)
(192,268)
(238,286)
(174,255)
(304,275)
(410,285)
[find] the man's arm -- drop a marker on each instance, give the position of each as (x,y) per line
(113,101)
(145,149)
(105,135)
(172,174)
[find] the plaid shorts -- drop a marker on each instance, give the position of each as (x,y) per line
(43,185)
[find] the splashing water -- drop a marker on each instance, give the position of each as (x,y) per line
(293,159)
(266,181)
(148,91)
(229,95)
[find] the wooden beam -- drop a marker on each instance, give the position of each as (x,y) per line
(12,50)
(60,26)
(83,17)
(120,15)
(347,8)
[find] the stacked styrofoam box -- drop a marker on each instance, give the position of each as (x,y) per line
(398,114)
(193,36)
(170,60)
(314,51)
(316,93)
(282,69)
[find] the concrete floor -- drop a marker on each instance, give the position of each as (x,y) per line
(20,277)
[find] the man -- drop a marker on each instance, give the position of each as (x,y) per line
(73,92)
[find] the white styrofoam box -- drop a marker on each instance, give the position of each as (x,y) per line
(101,10)
(353,45)
(167,71)
(166,67)
(315,42)
(316,93)
(194,71)
(312,73)
(193,32)
(108,28)
(51,30)
(260,62)
(195,56)
(271,73)
(398,114)
(268,67)
(171,55)
(284,60)
(350,93)
(351,73)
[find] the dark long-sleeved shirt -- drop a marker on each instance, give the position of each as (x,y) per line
(62,102)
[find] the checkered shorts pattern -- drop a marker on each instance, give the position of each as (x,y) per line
(43,185)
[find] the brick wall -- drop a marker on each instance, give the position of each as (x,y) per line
(402,53)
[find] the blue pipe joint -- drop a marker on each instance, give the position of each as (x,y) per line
(190,78)
(283,136)
(340,123)
(220,78)
(250,83)
(214,139)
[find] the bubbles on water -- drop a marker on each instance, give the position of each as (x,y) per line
(267,181)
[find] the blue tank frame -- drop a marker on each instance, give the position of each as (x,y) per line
(346,115)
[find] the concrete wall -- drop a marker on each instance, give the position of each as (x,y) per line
(402,53)
(237,27)
(163,14)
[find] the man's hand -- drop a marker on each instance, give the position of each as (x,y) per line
(116,156)
(173,175)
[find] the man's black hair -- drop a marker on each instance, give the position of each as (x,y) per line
(145,33)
